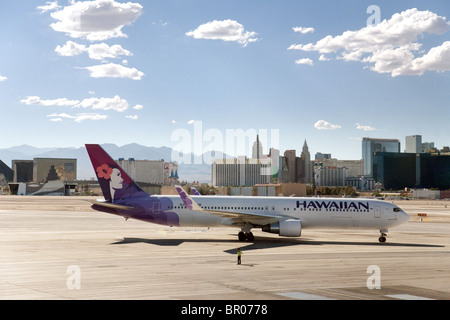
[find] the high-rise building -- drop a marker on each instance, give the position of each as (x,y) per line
(320,156)
(289,167)
(306,164)
(413,144)
(241,171)
(257,149)
(421,170)
(331,177)
(370,146)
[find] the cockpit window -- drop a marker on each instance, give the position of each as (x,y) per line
(397,210)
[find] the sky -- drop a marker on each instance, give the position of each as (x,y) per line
(201,74)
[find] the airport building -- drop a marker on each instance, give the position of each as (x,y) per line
(41,170)
(6,171)
(51,169)
(44,176)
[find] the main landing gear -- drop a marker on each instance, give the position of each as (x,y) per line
(246,236)
(383,236)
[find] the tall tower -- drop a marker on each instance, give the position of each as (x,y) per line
(257,149)
(306,163)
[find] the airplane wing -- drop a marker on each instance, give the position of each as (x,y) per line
(253,218)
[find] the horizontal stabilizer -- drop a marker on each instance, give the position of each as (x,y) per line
(111,205)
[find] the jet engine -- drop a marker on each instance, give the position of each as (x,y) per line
(285,228)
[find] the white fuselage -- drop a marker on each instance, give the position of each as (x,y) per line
(312,212)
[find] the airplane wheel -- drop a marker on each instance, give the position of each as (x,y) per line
(382,239)
(243,236)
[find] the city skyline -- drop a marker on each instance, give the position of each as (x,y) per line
(317,71)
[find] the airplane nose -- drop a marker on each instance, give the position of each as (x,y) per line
(404,217)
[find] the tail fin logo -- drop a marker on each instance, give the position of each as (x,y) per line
(114,176)
(115,183)
(104,171)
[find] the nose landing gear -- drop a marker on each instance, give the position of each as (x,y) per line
(382,238)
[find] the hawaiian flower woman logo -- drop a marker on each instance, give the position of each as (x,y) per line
(104,171)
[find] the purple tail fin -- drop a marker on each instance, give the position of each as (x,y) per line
(114,181)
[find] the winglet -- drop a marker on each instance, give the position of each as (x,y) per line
(187,200)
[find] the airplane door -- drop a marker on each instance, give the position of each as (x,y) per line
(156,207)
(377,213)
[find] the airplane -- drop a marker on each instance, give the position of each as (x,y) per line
(285,216)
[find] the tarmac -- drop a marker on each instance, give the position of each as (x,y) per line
(59,248)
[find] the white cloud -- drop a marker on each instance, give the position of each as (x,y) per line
(112,70)
(116,103)
(49,6)
(63,102)
(437,59)
(2,78)
(191,122)
(96,51)
(70,49)
(392,45)
(303,30)
(325,125)
(102,51)
(80,117)
(226,30)
(61,115)
(90,116)
(364,128)
(95,20)
(304,61)
(106,104)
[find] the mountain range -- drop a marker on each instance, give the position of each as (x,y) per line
(186,172)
